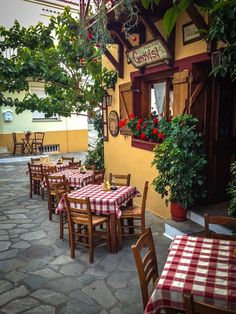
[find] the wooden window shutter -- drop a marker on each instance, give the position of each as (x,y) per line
(126,105)
(105,122)
(181,92)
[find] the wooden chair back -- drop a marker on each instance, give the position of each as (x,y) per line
(36,172)
(49,170)
(74,165)
(143,206)
(195,307)
(69,159)
(35,160)
(120,179)
(78,215)
(38,137)
(219,220)
(99,176)
(90,167)
(51,180)
(62,188)
(146,262)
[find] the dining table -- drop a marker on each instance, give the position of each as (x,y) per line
(103,203)
(203,267)
(75,178)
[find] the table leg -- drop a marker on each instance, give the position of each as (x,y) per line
(113,233)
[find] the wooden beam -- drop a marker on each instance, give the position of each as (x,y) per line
(121,39)
(197,18)
(86,8)
(171,45)
(147,22)
(111,59)
(121,61)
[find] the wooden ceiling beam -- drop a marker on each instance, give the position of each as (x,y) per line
(118,65)
(121,39)
(197,18)
(147,22)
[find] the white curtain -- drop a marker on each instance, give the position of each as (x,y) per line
(159,93)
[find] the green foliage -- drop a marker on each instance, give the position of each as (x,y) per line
(96,156)
(223,29)
(232,191)
(64,56)
(179,161)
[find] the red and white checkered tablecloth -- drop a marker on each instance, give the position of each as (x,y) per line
(102,202)
(60,167)
(75,178)
(203,267)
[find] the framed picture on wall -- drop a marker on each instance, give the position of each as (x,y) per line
(190,33)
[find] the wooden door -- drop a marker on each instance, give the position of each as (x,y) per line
(222,137)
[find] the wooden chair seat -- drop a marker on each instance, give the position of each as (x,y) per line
(131,211)
(96,220)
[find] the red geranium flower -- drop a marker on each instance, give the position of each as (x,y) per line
(138,127)
(140,121)
(90,36)
(155,120)
(155,131)
(98,45)
(144,125)
(81,60)
(160,136)
(131,116)
(121,123)
(143,136)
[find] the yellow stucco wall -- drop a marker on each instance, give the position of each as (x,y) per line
(69,141)
(120,156)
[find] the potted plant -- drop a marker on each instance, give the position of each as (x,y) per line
(179,161)
(232,191)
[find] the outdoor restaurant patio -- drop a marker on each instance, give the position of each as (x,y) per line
(36,271)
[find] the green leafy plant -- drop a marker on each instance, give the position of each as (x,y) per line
(232,191)
(180,161)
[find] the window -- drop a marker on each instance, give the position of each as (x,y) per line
(36,115)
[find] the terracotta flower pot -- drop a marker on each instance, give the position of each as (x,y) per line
(178,213)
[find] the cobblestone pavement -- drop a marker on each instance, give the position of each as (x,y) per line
(38,276)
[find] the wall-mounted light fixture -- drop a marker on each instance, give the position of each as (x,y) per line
(107,99)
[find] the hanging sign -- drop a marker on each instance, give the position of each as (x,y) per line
(154,51)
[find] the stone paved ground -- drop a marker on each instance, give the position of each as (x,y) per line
(38,276)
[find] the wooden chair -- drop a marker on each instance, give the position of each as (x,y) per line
(98,176)
(120,179)
(35,160)
(146,263)
(135,213)
(36,178)
(17,144)
(51,180)
(219,220)
(193,307)
(68,159)
(90,167)
(37,143)
(75,165)
(62,188)
(86,226)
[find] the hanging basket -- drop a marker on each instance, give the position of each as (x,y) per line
(178,213)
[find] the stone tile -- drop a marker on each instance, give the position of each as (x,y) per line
(47,273)
(8,254)
(118,280)
(48,296)
(5,286)
(33,235)
(15,276)
(7,226)
(4,237)
(6,266)
(17,216)
(72,269)
(62,260)
(13,294)
(62,285)
(20,305)
(99,291)
(34,281)
(34,265)
(21,245)
(42,309)
(97,273)
(79,308)
(129,296)
(81,296)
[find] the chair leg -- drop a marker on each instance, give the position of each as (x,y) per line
(72,240)
(31,188)
(91,247)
